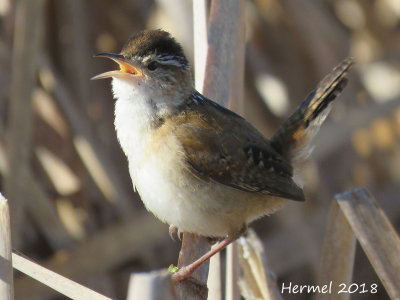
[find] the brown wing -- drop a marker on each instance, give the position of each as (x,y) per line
(223,147)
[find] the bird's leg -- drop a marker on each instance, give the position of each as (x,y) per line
(186,271)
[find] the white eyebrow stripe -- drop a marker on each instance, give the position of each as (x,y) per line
(149,58)
(146,58)
(171,60)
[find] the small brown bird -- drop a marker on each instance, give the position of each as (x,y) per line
(197,165)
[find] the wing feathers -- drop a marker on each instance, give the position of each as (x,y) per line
(226,149)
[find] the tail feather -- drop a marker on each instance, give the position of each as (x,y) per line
(293,138)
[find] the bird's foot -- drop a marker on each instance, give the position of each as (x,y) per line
(174,231)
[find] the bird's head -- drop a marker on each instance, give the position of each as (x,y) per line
(153,62)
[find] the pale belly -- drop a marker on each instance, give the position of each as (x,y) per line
(179,198)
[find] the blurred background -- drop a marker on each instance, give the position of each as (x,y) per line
(73,208)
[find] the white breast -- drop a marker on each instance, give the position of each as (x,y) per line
(153,163)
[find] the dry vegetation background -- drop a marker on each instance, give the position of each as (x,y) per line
(73,208)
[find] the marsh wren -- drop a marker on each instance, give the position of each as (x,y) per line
(197,165)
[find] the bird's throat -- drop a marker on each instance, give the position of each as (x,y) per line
(137,113)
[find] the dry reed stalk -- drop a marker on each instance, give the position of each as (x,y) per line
(6,271)
(27,42)
(98,254)
(232,273)
(376,235)
(338,254)
(200,17)
(257,281)
(151,286)
(214,283)
(55,281)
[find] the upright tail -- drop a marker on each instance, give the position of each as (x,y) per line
(293,138)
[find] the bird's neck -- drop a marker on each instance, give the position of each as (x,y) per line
(137,113)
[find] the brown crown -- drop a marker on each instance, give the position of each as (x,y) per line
(152,41)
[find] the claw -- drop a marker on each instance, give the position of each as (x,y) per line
(180,234)
(172,230)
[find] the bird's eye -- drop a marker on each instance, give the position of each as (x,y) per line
(152,66)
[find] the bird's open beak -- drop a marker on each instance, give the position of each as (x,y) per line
(126,67)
